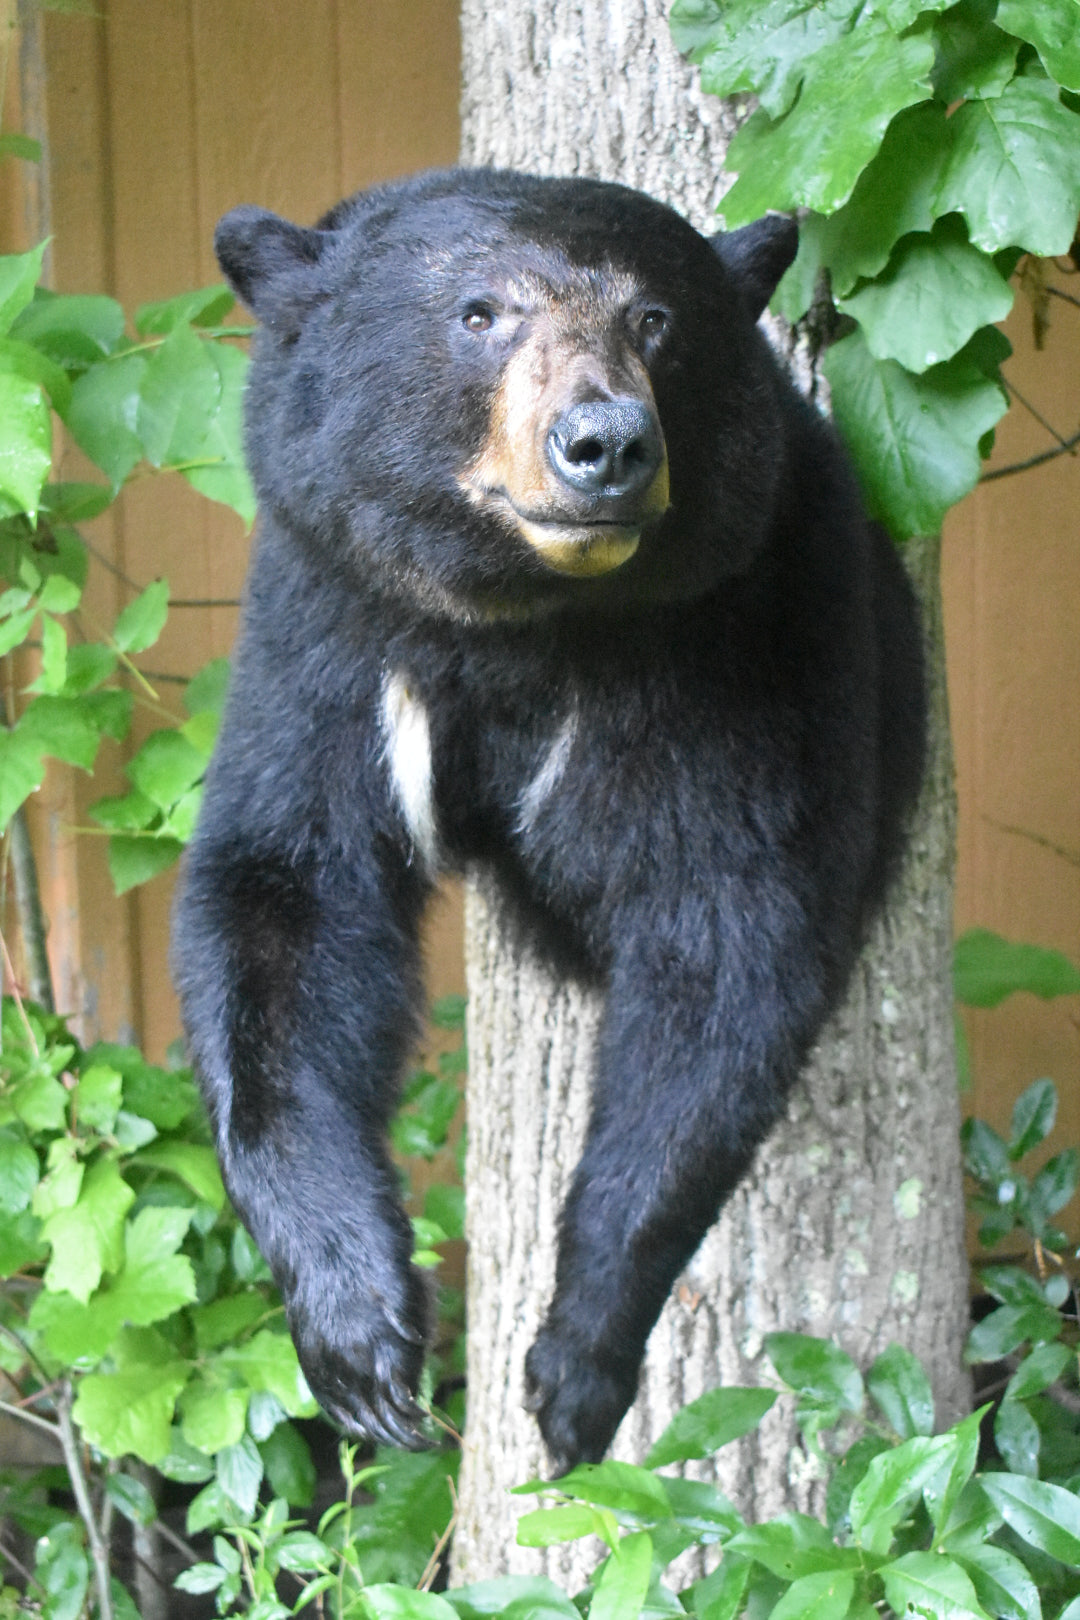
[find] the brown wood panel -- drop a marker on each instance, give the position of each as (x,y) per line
(1012,601)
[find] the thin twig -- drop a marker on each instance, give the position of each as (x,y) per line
(1037,414)
(1070,298)
(1067,448)
(204,601)
(17,996)
(99,1552)
(1036,838)
(27,1574)
(32,1418)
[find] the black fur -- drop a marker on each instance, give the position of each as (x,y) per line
(746,740)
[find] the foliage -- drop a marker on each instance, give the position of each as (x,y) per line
(165,399)
(953,150)
(136,1310)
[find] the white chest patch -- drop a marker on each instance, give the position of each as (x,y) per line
(407,751)
(547,777)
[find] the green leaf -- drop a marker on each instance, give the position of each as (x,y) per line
(75,330)
(301,1550)
(142,621)
(825,1596)
(206,306)
(915,440)
(902,1390)
(515,1597)
(102,415)
(98,1096)
(88,1238)
(19,275)
(125,812)
(132,1498)
(766,49)
(620,1591)
(987,968)
(12,144)
(1045,1516)
(192,1163)
(928,1584)
(791,1546)
(179,396)
(219,470)
(1055,1184)
(200,1578)
(20,1242)
(937,291)
(213,1415)
(1017,1437)
(714,1419)
(23,360)
(986,1155)
(287,1459)
(550,1527)
(25,443)
(1001,1583)
(1039,1370)
(19,1175)
(1033,1117)
(945,1490)
(1005,1329)
(974,57)
(131,1411)
(224,1319)
(813,156)
(1053,27)
(137,860)
(892,1483)
(62,1570)
(816,1368)
(268,1361)
(1014,170)
(66,728)
(398,1603)
(618,1485)
(239,1473)
(165,767)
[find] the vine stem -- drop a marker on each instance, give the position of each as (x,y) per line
(99,1552)
(31,916)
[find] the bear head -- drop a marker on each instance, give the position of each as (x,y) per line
(496,393)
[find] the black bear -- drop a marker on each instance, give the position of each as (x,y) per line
(555,572)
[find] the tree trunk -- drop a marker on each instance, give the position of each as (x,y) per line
(852,1223)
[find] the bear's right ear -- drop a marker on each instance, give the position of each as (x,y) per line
(267,261)
(757,255)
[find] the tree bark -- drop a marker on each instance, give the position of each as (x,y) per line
(852,1224)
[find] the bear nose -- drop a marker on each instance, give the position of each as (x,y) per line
(606,447)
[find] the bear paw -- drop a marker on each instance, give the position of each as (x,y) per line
(578,1396)
(363,1362)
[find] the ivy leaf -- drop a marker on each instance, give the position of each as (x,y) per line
(239,1471)
(87,1239)
(19,1175)
(165,767)
(1014,170)
(194,1164)
(289,1468)
(268,1361)
(927,1584)
(213,1414)
(136,860)
(178,395)
(937,291)
(25,444)
(98,1096)
(974,57)
(1053,27)
(914,440)
(765,49)
(813,156)
(131,1411)
(76,330)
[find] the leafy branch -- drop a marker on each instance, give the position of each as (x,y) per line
(953,152)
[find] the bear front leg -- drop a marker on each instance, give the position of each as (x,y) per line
(706,1026)
(300,985)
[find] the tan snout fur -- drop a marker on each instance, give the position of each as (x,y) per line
(572,352)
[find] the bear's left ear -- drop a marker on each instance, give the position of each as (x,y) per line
(757,255)
(268,261)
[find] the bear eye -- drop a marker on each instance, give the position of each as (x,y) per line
(478,318)
(652,323)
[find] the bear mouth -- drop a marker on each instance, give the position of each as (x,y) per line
(580,547)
